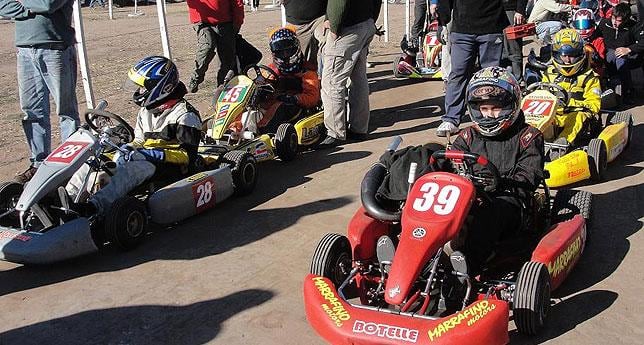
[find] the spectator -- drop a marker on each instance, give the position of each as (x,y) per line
(351,27)
(513,49)
(46,66)
(477,28)
(307,16)
(217,23)
(619,39)
(546,15)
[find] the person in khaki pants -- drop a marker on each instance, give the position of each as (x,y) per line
(306,16)
(351,26)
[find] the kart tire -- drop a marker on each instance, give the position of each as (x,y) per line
(627,118)
(9,194)
(332,258)
(126,223)
(568,203)
(531,298)
(597,159)
(286,142)
(244,171)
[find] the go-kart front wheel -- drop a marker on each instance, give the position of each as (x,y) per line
(332,258)
(9,194)
(597,159)
(569,202)
(626,118)
(244,171)
(126,223)
(531,297)
(286,143)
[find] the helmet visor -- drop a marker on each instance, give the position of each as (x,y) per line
(583,24)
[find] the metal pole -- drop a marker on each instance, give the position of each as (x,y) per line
(136,12)
(164,31)
(386,20)
(110,8)
(82,55)
(283,15)
(407,29)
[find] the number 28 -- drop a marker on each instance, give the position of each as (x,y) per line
(443,200)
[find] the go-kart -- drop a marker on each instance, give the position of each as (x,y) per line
(239,102)
(38,222)
(427,62)
(603,138)
(389,281)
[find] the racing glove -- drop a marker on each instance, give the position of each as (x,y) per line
(288,99)
(152,155)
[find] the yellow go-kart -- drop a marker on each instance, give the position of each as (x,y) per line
(604,137)
(239,103)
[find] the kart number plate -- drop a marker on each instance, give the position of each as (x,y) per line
(234,94)
(440,199)
(203,193)
(537,107)
(66,152)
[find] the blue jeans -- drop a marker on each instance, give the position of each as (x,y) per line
(545,30)
(44,72)
(464,49)
(619,67)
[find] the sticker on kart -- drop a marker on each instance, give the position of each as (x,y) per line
(333,308)
(203,192)
(537,107)
(234,94)
(67,152)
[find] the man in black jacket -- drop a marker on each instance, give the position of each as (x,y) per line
(515,10)
(514,147)
(477,30)
(307,16)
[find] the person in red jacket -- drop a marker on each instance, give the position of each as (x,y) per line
(297,86)
(217,23)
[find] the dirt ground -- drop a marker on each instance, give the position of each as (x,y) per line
(234,274)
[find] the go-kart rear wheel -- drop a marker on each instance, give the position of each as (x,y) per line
(244,171)
(9,194)
(332,258)
(597,159)
(570,202)
(626,118)
(531,297)
(126,223)
(286,143)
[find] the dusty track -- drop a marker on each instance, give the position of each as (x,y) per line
(233,275)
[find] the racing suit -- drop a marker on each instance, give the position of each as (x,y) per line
(295,92)
(518,154)
(164,137)
(585,92)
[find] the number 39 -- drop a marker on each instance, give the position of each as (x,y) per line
(443,199)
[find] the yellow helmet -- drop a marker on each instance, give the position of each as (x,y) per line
(568,43)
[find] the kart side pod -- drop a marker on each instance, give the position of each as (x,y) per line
(190,196)
(340,323)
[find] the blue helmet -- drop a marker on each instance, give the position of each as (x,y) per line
(155,78)
(285,47)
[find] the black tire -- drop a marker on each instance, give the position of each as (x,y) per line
(244,171)
(570,202)
(286,143)
(332,258)
(9,194)
(126,223)
(597,159)
(627,118)
(531,298)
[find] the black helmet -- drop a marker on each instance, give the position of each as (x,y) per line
(286,50)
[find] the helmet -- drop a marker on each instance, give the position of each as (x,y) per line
(286,51)
(568,42)
(154,78)
(613,3)
(590,4)
(584,22)
(498,86)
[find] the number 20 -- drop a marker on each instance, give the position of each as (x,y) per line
(445,200)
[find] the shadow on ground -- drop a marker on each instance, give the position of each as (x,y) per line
(233,224)
(567,314)
(192,324)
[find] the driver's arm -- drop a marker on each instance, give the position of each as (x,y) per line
(592,95)
(528,170)
(310,95)
(188,134)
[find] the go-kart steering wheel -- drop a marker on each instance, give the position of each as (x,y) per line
(555,89)
(98,119)
(261,74)
(490,180)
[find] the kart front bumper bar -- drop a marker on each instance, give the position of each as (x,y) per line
(66,241)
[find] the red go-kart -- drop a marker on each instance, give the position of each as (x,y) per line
(389,280)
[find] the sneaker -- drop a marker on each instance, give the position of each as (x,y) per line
(445,128)
(329,142)
(26,175)
(193,86)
